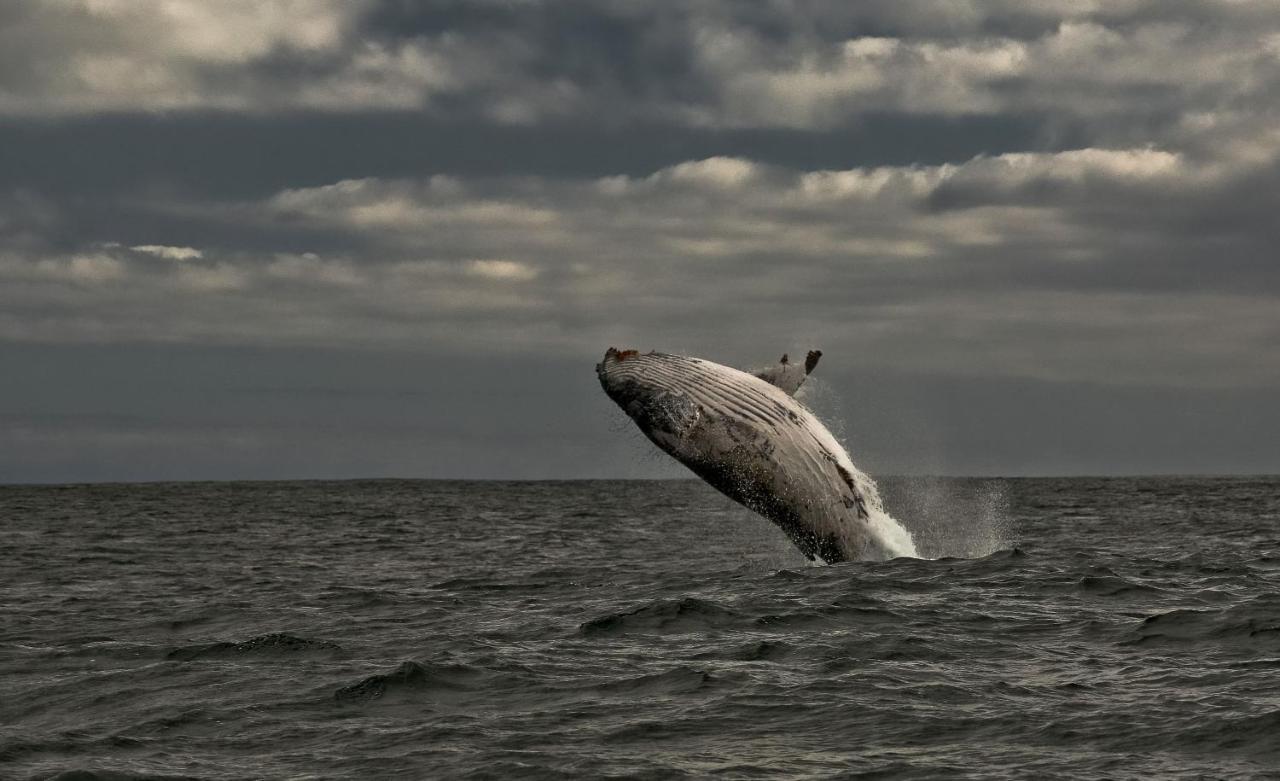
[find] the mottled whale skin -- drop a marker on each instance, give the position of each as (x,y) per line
(746,436)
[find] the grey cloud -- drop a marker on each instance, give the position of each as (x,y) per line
(81,56)
(910,266)
(1148,75)
(975,208)
(800,65)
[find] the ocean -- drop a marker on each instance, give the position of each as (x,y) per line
(1062,629)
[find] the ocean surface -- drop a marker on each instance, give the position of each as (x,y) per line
(1066,629)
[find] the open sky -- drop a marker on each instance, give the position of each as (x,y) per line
(341,238)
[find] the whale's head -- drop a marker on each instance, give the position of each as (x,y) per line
(651,389)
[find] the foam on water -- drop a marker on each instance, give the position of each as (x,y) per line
(946,523)
(893,536)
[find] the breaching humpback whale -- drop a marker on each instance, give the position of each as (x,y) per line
(746,436)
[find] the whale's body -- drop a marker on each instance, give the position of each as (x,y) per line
(746,436)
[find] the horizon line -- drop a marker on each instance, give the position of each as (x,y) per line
(389,479)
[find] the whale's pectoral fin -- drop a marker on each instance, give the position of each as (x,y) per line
(789,376)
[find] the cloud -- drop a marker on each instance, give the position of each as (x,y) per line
(233,31)
(83,269)
(85,56)
(716,173)
(1078,69)
(169,253)
(508,270)
(740,208)
(1071,266)
(1130,72)
(221,278)
(1074,193)
(1161,211)
(310,269)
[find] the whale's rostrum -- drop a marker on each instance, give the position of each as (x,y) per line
(750,439)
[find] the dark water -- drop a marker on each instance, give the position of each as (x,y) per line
(1099,629)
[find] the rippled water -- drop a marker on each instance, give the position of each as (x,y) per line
(1095,629)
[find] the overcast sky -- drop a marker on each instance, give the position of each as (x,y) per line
(310,238)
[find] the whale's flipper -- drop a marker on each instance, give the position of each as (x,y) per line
(789,376)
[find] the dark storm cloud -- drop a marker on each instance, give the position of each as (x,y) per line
(1039,200)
